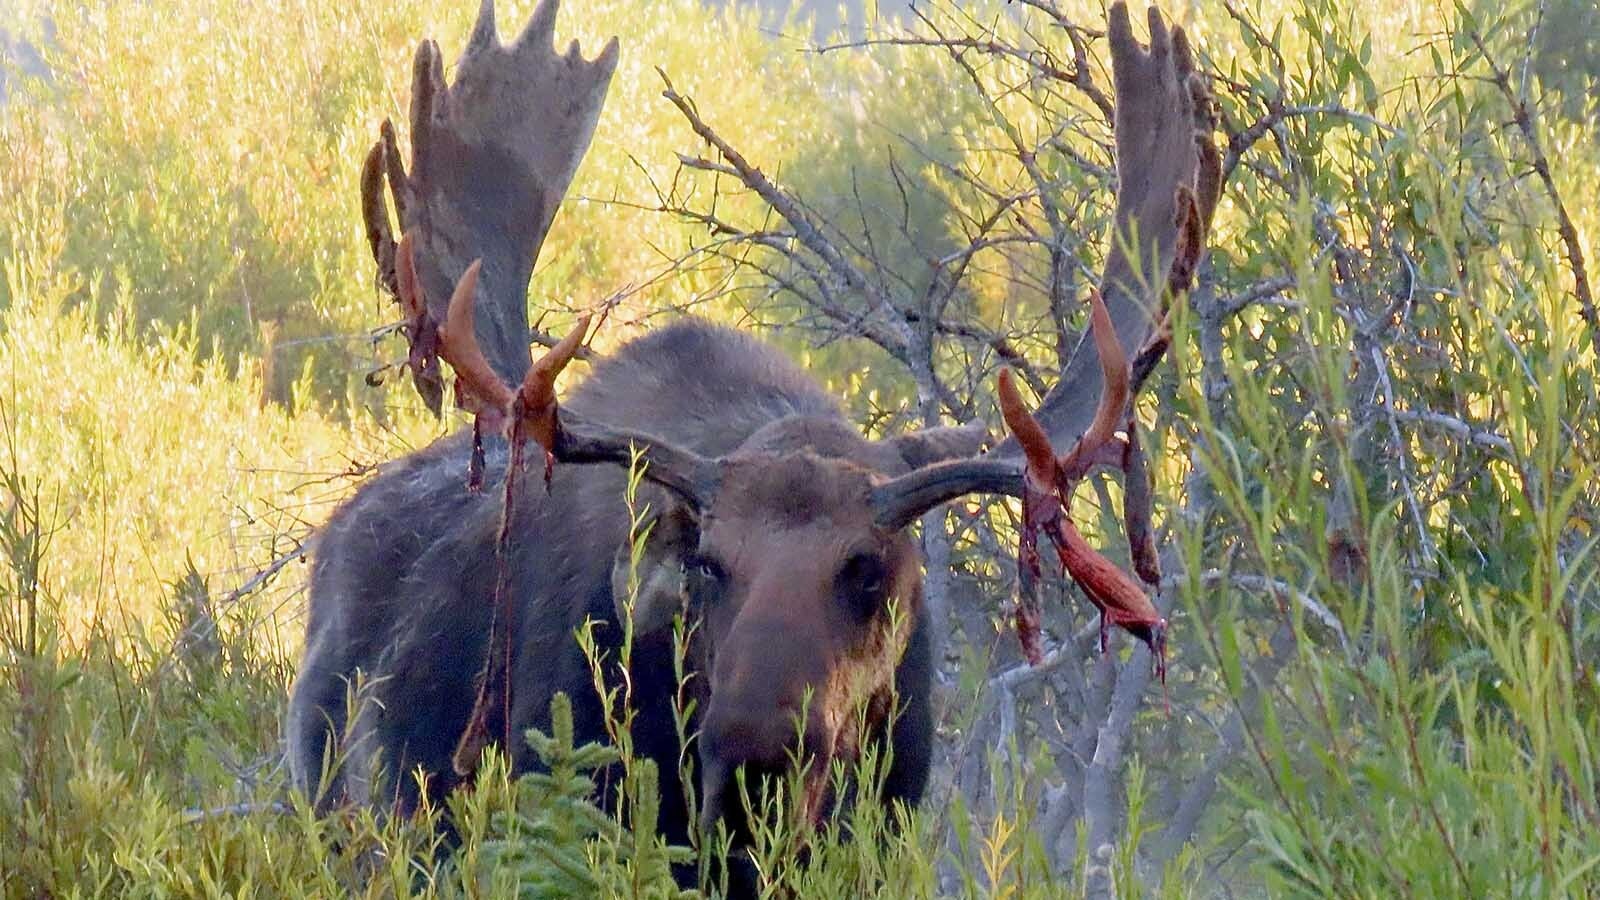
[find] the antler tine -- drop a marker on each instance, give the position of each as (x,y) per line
(478,388)
(1030,434)
(483,31)
(375,214)
(1113,393)
(405,277)
(1191,242)
(541,28)
(427,92)
(541,375)
(537,395)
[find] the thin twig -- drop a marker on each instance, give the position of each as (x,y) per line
(1242,140)
(1522,114)
(1457,428)
(806,231)
(196,815)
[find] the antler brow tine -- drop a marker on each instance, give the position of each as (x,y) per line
(1114,366)
(538,391)
(556,358)
(1113,394)
(458,344)
(1030,434)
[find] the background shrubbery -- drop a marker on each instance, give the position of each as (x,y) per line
(1375,442)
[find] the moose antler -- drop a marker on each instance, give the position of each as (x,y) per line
(1169,176)
(528,413)
(492,155)
(1169,180)
(524,413)
(1042,462)
(1045,485)
(1048,483)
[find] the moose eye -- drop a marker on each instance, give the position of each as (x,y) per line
(706,579)
(861,583)
(709,569)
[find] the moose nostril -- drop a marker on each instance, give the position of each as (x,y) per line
(766,738)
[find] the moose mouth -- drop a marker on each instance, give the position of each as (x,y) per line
(733,793)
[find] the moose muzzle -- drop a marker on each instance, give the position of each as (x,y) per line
(764,718)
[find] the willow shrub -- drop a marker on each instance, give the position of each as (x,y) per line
(1431,361)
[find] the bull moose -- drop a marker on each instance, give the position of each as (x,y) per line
(443,617)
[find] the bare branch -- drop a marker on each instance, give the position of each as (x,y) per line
(806,231)
(1277,113)
(1255,293)
(1038,60)
(1202,787)
(1457,428)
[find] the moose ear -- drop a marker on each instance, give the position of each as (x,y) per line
(657,570)
(935,445)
